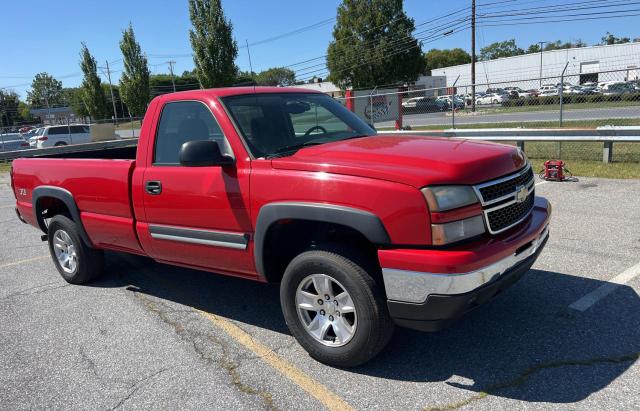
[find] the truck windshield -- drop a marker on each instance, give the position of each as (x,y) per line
(282,123)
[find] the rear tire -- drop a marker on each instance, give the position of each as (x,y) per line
(60,143)
(344,339)
(76,262)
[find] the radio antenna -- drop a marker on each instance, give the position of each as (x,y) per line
(246,42)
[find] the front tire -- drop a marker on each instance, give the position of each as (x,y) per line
(76,262)
(334,308)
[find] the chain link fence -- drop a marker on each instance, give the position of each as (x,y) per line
(608,98)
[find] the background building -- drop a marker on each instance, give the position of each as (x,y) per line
(618,62)
(55,115)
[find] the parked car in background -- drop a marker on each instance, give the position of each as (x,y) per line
(517,92)
(52,136)
(33,139)
(458,103)
(29,133)
(492,98)
(549,92)
(468,98)
(424,105)
(12,142)
(615,89)
(548,87)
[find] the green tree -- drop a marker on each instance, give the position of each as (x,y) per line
(499,49)
(555,45)
(161,83)
(609,39)
(134,82)
(373,45)
(436,58)
(245,77)
(9,104)
(214,49)
(92,93)
(45,91)
(74,98)
(276,76)
(24,111)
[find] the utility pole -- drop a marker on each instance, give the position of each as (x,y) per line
(541,43)
(171,63)
(113,100)
(473,55)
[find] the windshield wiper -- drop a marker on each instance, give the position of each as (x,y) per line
(315,142)
(295,147)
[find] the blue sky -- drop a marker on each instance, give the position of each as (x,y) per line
(42,35)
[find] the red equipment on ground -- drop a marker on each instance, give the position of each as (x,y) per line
(556,170)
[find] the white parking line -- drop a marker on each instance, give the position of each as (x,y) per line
(605,289)
(539,183)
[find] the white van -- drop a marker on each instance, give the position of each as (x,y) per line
(53,136)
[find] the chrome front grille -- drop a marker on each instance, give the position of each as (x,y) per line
(508,200)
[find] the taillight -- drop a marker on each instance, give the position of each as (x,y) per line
(43,138)
(25,144)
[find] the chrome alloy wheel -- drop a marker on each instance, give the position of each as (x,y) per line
(326,310)
(65,251)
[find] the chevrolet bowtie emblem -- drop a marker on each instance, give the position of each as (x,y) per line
(521,194)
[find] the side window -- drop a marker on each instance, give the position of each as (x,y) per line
(184,121)
(58,130)
(77,129)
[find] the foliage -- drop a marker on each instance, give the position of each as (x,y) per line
(73,97)
(555,45)
(214,49)
(134,82)
(436,58)
(24,111)
(276,76)
(609,39)
(92,93)
(373,45)
(245,77)
(9,104)
(161,83)
(499,49)
(45,91)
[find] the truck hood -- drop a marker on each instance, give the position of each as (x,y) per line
(414,160)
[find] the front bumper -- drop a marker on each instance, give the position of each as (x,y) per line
(430,301)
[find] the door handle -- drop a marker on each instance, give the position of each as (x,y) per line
(153,187)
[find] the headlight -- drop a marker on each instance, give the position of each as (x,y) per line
(443,198)
(456,230)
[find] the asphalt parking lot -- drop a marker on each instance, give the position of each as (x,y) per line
(147,335)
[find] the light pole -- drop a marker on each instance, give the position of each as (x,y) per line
(541,43)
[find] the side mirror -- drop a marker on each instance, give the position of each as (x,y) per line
(203,153)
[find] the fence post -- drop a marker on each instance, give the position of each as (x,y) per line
(607,152)
(453,103)
(561,91)
(520,144)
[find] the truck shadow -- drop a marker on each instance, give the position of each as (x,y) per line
(527,344)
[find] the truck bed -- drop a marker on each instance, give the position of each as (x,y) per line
(100,187)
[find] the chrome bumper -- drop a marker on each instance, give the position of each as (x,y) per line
(415,287)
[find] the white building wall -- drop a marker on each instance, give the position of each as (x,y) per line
(524,71)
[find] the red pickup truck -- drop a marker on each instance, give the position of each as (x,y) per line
(362,230)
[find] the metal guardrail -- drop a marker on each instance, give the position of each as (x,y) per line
(607,135)
(74,148)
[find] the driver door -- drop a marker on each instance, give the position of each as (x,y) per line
(196,216)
